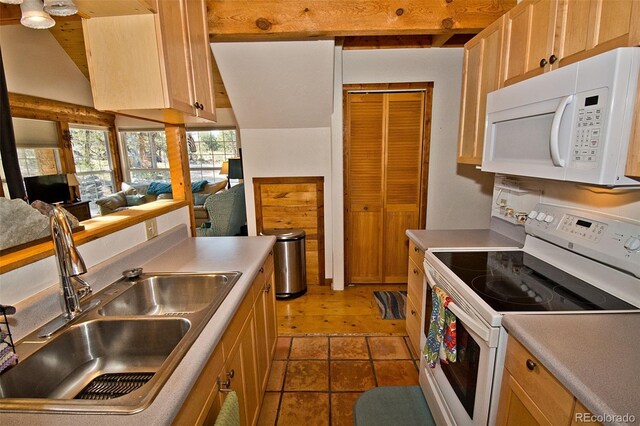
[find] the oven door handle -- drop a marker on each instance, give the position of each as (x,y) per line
(483,331)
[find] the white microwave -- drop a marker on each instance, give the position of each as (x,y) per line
(573,123)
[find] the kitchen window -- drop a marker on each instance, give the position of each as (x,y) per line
(91,155)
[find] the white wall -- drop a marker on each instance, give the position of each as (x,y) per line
(21,283)
(459,196)
(35,64)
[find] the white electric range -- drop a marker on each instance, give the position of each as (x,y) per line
(573,261)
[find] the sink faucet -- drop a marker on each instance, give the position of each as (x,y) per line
(70,264)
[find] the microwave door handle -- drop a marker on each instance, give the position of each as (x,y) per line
(471,323)
(554,139)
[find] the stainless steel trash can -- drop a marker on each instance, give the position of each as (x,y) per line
(289,262)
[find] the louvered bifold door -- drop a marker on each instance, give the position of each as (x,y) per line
(403,159)
(364,157)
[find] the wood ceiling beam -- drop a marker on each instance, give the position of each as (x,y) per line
(298,19)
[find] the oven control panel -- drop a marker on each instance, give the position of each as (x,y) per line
(608,239)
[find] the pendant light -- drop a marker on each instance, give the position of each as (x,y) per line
(60,7)
(33,16)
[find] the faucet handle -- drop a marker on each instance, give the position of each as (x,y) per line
(82,288)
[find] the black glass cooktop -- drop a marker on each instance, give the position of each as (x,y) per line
(511,281)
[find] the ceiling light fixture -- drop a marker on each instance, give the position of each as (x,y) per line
(33,15)
(60,7)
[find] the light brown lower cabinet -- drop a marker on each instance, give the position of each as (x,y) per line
(531,395)
(414,295)
(241,361)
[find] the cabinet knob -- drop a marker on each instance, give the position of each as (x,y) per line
(413,312)
(553,59)
(365,208)
(543,62)
(262,270)
(531,365)
(226,385)
(416,249)
(415,271)
(267,289)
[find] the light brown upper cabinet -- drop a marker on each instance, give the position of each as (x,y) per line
(385,181)
(481,75)
(541,35)
(155,66)
(534,37)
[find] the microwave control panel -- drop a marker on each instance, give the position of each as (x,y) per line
(586,148)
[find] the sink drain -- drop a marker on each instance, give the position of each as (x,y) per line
(114,385)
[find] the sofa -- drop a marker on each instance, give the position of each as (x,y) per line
(135,194)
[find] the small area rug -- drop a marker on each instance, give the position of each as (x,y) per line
(391,304)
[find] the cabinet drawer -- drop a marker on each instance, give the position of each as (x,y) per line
(413,325)
(414,283)
(416,253)
(553,399)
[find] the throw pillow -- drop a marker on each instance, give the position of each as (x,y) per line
(198,185)
(128,189)
(212,188)
(200,198)
(113,201)
(157,188)
(135,200)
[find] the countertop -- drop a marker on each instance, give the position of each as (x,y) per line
(595,356)
(426,239)
(244,254)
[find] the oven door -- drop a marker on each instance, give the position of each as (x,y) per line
(459,393)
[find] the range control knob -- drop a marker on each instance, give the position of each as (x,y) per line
(532,214)
(549,219)
(541,216)
(632,244)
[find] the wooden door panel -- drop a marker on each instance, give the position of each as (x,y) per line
(396,243)
(517,40)
(404,148)
(365,148)
(614,20)
(541,33)
(365,247)
(295,202)
(577,29)
(469,115)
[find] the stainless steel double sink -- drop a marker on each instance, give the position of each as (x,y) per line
(117,355)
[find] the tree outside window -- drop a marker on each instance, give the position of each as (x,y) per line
(92,158)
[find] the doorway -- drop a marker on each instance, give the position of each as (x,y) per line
(386,157)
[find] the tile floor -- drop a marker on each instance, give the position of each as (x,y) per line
(315,380)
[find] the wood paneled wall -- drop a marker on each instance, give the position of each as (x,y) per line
(295,202)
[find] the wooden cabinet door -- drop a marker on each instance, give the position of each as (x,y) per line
(481,75)
(528,40)
(591,27)
(174,34)
(271,320)
(201,62)
(516,408)
(262,357)
(249,371)
(633,155)
(364,180)
(233,372)
(403,152)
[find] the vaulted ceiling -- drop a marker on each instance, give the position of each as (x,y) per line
(359,24)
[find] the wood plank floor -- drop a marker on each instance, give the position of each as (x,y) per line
(327,312)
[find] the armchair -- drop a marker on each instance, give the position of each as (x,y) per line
(227,212)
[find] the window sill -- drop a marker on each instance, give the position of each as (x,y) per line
(93,229)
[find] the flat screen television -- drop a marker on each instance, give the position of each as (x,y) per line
(48,188)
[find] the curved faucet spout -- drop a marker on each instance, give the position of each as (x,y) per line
(70,263)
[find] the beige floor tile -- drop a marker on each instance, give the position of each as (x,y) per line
(349,348)
(351,376)
(276,376)
(342,408)
(396,373)
(388,348)
(310,348)
(269,409)
(304,409)
(307,376)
